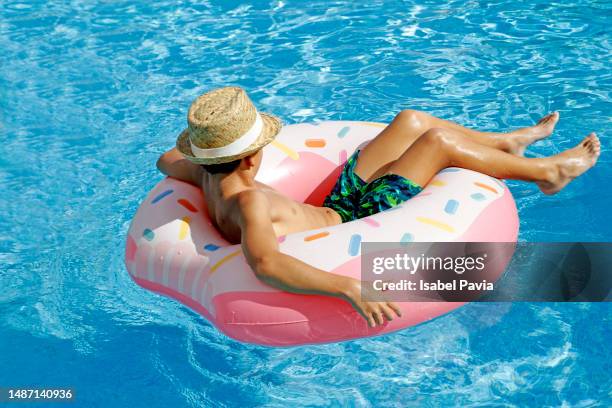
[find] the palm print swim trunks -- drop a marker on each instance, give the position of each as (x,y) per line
(354,198)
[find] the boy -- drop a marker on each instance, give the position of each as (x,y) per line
(221,151)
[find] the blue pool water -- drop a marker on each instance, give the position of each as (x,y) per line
(92,92)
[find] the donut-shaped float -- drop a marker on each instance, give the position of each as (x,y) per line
(173,249)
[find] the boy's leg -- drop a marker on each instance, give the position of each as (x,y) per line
(513,142)
(439,148)
(408,125)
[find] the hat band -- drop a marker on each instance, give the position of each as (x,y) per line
(237,146)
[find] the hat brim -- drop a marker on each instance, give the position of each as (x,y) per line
(271,128)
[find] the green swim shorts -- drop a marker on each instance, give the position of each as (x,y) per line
(354,198)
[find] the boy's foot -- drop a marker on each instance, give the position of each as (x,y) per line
(572,163)
(520,139)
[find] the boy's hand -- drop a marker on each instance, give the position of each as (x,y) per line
(373,312)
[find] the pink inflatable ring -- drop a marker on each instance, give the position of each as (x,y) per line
(173,249)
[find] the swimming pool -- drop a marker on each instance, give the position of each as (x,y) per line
(91,94)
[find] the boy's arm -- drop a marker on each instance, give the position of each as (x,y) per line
(174,164)
(285,272)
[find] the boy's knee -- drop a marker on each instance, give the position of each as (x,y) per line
(412,118)
(441,136)
(435,135)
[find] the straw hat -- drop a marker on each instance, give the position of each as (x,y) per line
(225,126)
